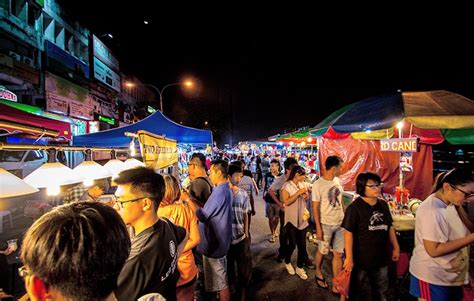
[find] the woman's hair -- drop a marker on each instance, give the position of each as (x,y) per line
(296,169)
(362,180)
(172,190)
(457,176)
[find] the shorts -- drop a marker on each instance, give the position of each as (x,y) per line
(334,234)
(433,292)
(215,273)
(272,210)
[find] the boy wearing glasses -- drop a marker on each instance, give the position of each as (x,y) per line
(157,243)
(75,252)
(328,212)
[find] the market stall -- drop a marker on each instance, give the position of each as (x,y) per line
(356,130)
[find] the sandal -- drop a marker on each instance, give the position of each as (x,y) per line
(322,280)
(272,239)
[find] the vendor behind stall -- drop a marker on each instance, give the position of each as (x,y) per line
(81,192)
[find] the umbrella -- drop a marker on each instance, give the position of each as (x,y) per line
(433,116)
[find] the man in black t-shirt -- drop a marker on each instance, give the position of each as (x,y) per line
(368,231)
(157,243)
(200,188)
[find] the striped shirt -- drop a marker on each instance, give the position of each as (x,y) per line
(240,208)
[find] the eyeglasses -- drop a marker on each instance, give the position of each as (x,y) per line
(120,203)
(466,194)
(23,272)
(374,186)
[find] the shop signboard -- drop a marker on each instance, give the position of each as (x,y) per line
(400,145)
(157,152)
(106,75)
(7,95)
(62,94)
(56,103)
(106,119)
(104,54)
(65,64)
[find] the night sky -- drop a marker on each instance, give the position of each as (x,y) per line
(279,71)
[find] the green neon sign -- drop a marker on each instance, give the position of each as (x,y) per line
(108,120)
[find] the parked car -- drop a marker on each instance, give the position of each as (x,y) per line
(23,162)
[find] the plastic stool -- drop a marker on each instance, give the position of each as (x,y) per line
(2,214)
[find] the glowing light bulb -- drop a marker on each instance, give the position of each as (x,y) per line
(88,182)
(132,148)
(52,190)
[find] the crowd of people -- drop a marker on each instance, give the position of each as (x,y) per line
(158,240)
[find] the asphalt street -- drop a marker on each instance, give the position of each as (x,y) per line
(270,280)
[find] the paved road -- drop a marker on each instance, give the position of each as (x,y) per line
(270,279)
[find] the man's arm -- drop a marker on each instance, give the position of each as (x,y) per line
(348,243)
(394,242)
(317,219)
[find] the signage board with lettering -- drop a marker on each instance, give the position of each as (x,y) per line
(104,54)
(400,145)
(106,75)
(158,152)
(7,95)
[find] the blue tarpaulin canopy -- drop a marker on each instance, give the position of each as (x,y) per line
(156,123)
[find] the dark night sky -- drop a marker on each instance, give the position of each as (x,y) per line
(279,70)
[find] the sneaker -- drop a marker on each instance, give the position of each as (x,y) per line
(309,264)
(302,273)
(290,269)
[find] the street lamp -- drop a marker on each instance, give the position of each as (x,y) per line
(160,92)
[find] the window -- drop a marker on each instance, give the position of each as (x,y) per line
(11,156)
(34,155)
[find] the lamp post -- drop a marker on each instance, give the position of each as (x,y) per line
(160,92)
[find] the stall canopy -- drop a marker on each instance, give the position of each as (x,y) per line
(156,123)
(15,121)
(353,132)
(433,116)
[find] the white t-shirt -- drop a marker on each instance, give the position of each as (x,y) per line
(294,212)
(329,193)
(436,221)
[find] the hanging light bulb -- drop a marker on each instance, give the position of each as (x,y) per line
(309,139)
(53,190)
(88,182)
(91,171)
(53,174)
(132,148)
(132,163)
(11,185)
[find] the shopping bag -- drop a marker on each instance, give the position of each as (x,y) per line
(468,293)
(341,282)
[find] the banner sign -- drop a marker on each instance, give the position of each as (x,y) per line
(61,94)
(63,63)
(400,145)
(7,95)
(104,54)
(157,151)
(106,75)
(56,103)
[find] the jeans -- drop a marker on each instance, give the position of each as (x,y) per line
(374,280)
